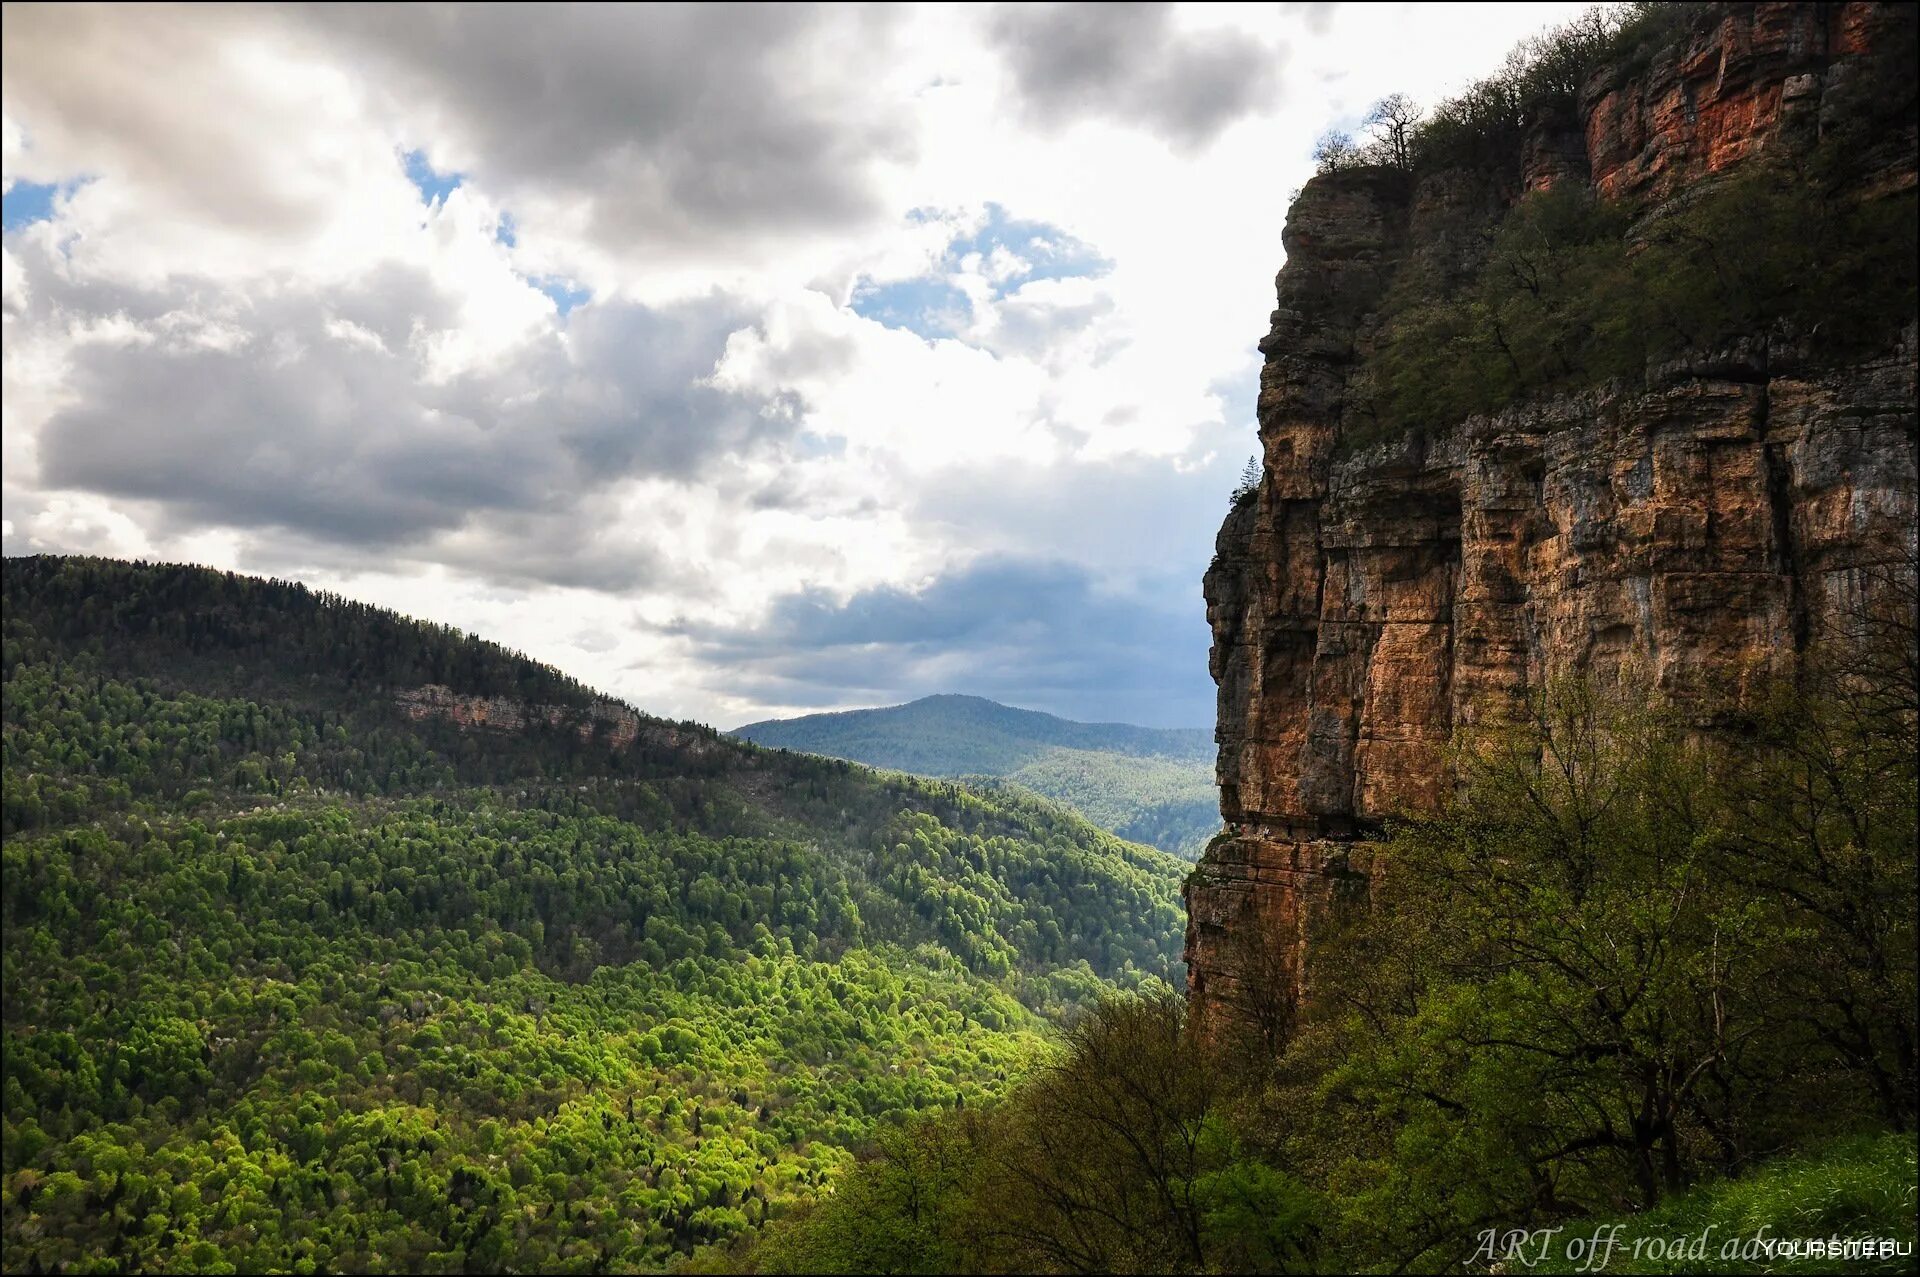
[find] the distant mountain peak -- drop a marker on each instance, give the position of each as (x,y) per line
(955,700)
(1151,784)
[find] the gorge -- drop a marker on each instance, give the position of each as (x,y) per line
(390,905)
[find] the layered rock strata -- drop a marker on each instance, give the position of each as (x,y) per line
(1698,527)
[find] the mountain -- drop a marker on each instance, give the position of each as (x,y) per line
(1151,785)
(339,940)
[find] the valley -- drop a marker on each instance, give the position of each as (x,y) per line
(1540,897)
(1149,785)
(295,977)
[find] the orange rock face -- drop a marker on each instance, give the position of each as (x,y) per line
(1365,605)
(1727,93)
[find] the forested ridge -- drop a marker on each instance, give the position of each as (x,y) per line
(297,981)
(1150,785)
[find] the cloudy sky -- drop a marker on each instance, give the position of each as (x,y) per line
(739,361)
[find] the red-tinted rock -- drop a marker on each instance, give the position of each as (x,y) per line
(1364,606)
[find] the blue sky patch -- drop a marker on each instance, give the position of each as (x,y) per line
(28,202)
(505,233)
(565,293)
(931,306)
(1046,251)
(431,185)
(926,305)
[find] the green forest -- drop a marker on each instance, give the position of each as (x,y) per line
(1634,982)
(1150,785)
(1168,803)
(295,982)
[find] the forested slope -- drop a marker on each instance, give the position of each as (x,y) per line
(299,973)
(1151,785)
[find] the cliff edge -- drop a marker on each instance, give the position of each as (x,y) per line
(1699,523)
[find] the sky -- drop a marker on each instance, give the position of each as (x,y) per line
(740,362)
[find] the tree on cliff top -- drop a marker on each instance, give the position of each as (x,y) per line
(1336,151)
(1483,126)
(1390,123)
(1250,476)
(1393,120)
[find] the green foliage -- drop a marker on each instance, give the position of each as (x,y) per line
(296,981)
(1858,1188)
(1804,247)
(1577,993)
(1149,785)
(1572,292)
(966,735)
(1484,127)
(1616,979)
(1569,997)
(1118,1155)
(1173,805)
(1249,484)
(249,631)
(903,1209)
(914,861)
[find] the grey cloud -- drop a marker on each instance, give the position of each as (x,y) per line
(1317,15)
(671,125)
(673,128)
(501,470)
(1128,62)
(116,80)
(646,366)
(579,548)
(1028,632)
(510,552)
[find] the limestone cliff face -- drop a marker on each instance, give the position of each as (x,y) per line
(1365,605)
(611,723)
(1731,88)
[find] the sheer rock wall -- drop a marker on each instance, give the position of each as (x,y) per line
(1366,604)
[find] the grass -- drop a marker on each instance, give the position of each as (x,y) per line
(1858,1187)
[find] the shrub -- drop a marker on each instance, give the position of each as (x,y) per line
(1574,291)
(1859,1187)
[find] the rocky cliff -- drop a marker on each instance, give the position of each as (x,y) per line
(610,723)
(1700,524)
